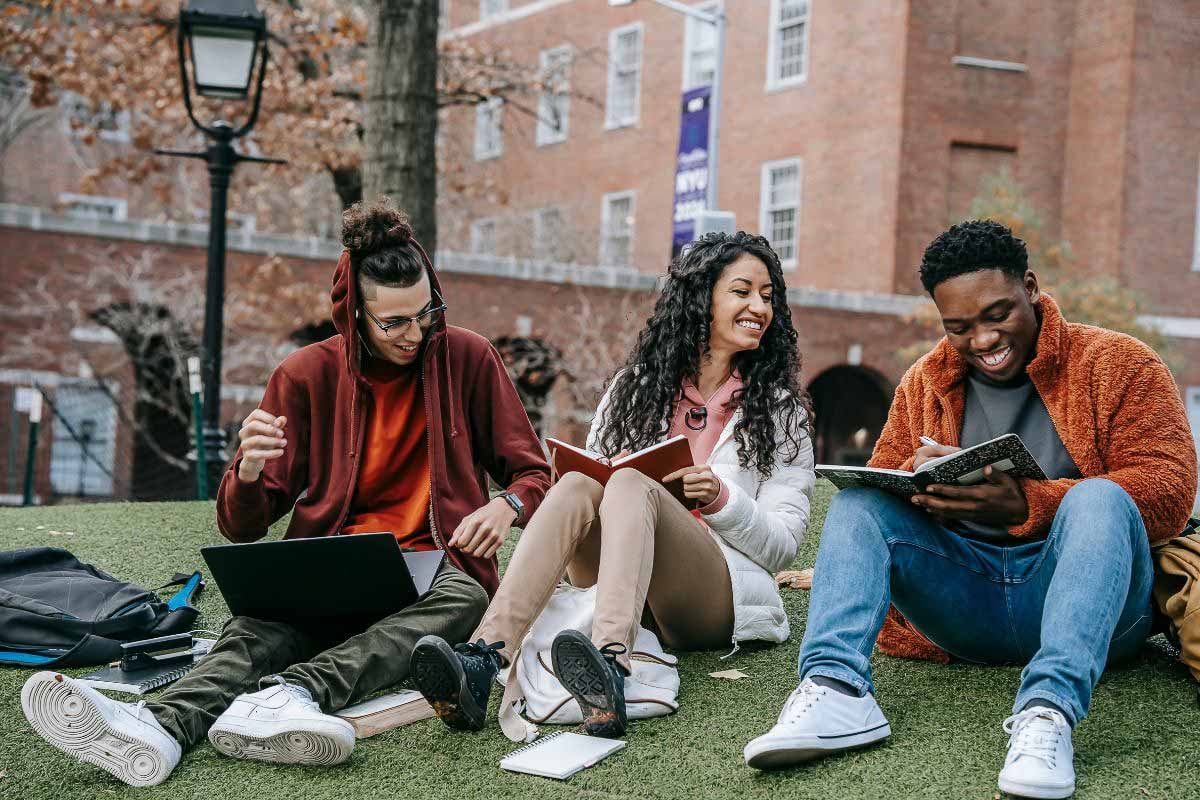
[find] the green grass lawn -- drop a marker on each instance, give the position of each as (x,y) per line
(1140,740)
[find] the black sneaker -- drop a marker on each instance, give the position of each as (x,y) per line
(456,681)
(595,679)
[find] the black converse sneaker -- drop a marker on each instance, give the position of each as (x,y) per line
(595,679)
(456,681)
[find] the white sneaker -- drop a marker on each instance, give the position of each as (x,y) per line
(1040,760)
(816,721)
(121,738)
(282,724)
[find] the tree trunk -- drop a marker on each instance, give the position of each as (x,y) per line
(399,158)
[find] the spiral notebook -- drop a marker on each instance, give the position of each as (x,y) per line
(560,755)
(114,679)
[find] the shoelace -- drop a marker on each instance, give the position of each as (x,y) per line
(610,652)
(298,692)
(483,651)
(1037,732)
(801,700)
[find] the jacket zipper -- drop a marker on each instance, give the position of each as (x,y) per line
(355,458)
(437,539)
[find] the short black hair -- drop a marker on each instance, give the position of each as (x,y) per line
(972,246)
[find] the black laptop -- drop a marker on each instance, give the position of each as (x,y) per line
(347,581)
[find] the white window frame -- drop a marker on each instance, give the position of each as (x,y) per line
(443,16)
(543,245)
(606,226)
(489,112)
(546,132)
(477,236)
(119,206)
(610,120)
(766,207)
(1196,232)
(692,28)
(774,83)
(490,9)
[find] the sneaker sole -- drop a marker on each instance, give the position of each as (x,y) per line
(69,720)
(1021,789)
(440,678)
(800,749)
(320,746)
(584,673)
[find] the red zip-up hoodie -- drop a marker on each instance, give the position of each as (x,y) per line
(477,427)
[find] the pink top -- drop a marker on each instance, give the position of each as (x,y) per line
(704,441)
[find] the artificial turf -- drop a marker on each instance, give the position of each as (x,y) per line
(1139,741)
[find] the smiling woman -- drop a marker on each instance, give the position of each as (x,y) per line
(717,364)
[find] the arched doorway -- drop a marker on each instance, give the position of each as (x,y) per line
(851,405)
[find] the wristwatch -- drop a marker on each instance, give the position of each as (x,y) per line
(517,506)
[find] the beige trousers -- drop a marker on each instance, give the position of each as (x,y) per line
(638,545)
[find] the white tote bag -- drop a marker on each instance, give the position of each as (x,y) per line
(533,695)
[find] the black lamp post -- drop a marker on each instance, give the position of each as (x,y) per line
(224,39)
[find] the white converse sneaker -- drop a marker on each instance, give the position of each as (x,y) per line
(816,721)
(121,738)
(282,724)
(1040,760)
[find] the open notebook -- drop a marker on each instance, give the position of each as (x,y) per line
(656,461)
(560,755)
(1006,453)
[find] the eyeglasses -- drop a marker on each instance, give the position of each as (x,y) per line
(424,320)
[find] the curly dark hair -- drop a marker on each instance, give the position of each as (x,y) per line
(381,244)
(972,246)
(675,339)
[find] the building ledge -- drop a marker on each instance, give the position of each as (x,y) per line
(989,63)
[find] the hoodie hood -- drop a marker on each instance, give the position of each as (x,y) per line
(344,296)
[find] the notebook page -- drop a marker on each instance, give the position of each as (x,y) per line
(561,755)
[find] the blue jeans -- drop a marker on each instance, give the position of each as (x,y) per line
(1064,606)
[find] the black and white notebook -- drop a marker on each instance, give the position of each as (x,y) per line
(114,679)
(1006,453)
(560,755)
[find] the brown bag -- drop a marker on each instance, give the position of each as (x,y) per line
(1177,594)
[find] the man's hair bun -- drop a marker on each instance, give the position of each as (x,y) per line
(368,229)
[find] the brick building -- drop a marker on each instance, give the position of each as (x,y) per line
(851,134)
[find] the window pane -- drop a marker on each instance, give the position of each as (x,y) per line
(783,233)
(627,49)
(792,9)
(791,51)
(784,186)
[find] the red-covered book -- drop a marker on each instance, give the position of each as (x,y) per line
(656,461)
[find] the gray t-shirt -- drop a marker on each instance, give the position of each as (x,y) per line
(994,409)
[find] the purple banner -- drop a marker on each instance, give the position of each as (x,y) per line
(691,169)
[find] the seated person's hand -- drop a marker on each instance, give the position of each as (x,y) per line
(998,501)
(931,451)
(483,531)
(261,439)
(700,483)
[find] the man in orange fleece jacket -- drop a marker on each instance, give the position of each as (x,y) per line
(1053,574)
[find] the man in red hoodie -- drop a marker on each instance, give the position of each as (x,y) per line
(393,425)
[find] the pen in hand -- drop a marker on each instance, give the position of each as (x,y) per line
(926,440)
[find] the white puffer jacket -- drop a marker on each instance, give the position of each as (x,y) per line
(759,529)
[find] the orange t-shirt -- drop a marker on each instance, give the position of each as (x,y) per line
(392,492)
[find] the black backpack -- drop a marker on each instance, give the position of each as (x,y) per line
(57,611)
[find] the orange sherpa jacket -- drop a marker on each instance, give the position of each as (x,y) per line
(1111,399)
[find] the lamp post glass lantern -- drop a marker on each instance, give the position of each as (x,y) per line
(224,40)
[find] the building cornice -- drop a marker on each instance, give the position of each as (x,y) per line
(627,278)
